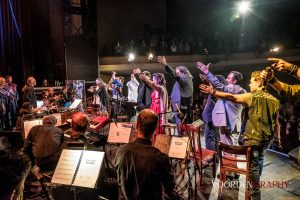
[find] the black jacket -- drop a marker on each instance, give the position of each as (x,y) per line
(144,96)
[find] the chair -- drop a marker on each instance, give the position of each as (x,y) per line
(37,183)
(204,157)
(169,129)
(228,163)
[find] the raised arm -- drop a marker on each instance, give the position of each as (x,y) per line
(284,66)
(236,98)
(162,60)
(149,82)
(280,87)
(211,78)
(134,79)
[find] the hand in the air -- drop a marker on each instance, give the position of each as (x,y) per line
(162,60)
(204,68)
(281,65)
(267,75)
(207,89)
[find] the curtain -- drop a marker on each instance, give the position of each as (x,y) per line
(11,61)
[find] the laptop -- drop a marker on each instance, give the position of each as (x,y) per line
(39,103)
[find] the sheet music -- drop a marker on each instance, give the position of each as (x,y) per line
(163,142)
(89,168)
(119,132)
(29,124)
(178,147)
(66,167)
(75,103)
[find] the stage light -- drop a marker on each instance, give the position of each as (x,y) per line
(275,49)
(150,56)
(131,57)
(243,7)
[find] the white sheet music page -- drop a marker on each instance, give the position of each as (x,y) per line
(89,169)
(119,132)
(178,147)
(29,124)
(66,167)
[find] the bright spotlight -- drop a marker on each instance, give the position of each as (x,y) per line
(131,57)
(275,49)
(150,56)
(244,7)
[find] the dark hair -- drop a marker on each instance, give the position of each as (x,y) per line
(237,76)
(8,76)
(184,70)
(121,78)
(13,169)
(221,79)
(147,73)
(160,77)
(147,122)
(26,108)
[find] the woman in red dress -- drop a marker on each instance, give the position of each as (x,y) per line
(159,97)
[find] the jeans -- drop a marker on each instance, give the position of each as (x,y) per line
(256,167)
(228,137)
(212,136)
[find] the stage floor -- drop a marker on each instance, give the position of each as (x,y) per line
(277,168)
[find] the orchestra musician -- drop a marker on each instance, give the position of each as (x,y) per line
(101,96)
(13,104)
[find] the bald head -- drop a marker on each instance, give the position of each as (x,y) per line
(146,123)
(79,122)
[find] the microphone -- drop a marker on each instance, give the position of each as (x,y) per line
(268,69)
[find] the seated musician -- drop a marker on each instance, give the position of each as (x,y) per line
(25,113)
(45,97)
(65,97)
(79,127)
(43,143)
(143,171)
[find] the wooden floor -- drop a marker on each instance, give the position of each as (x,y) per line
(277,167)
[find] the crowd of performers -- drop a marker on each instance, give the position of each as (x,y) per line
(226,101)
(232,115)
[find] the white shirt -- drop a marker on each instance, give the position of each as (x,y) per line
(132,90)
